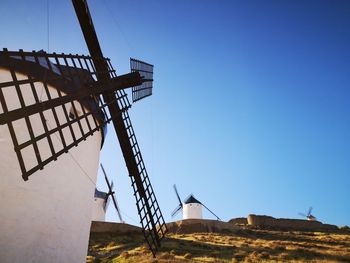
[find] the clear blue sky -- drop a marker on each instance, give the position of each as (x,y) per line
(250,111)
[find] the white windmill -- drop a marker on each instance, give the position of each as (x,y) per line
(308,215)
(191,207)
(101,201)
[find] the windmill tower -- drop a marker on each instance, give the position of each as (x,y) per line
(101,202)
(54,110)
(191,207)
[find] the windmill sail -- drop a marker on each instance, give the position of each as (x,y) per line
(179,207)
(75,96)
(111,194)
(151,218)
(218,218)
(146,71)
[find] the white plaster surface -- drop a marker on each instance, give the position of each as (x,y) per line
(192,211)
(48,217)
(98,213)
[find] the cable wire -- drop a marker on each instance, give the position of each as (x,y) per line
(131,49)
(48,24)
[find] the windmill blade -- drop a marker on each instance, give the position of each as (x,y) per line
(151,218)
(146,71)
(106,203)
(309,211)
(110,187)
(110,190)
(75,114)
(116,206)
(211,212)
(176,210)
(177,194)
(302,214)
(111,194)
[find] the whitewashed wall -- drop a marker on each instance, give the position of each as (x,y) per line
(98,213)
(48,217)
(192,211)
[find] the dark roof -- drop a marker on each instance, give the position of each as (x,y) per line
(99,194)
(191,199)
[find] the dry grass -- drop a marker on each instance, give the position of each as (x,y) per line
(242,245)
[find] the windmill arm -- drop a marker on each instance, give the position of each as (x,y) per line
(117,83)
(211,212)
(117,208)
(154,227)
(309,212)
(106,178)
(177,209)
(177,194)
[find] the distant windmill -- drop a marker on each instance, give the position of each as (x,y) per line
(102,200)
(191,207)
(308,215)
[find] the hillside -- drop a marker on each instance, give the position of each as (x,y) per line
(213,241)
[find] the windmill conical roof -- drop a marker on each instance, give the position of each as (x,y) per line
(100,194)
(191,199)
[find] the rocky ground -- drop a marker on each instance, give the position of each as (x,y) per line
(213,241)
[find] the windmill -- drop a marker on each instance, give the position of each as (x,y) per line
(308,215)
(88,95)
(102,200)
(191,207)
